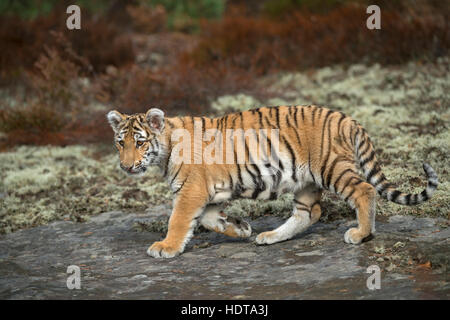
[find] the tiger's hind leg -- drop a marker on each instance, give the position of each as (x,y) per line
(362,197)
(214,219)
(306,212)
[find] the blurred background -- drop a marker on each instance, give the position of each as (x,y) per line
(206,57)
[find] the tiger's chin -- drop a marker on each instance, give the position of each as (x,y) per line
(139,172)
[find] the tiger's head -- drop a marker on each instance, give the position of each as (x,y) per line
(138,138)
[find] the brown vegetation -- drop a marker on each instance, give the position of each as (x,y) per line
(64,72)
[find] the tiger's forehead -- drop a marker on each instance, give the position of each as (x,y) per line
(134,126)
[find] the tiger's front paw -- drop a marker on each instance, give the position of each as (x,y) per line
(160,249)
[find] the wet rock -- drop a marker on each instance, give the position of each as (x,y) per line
(243,255)
(113,263)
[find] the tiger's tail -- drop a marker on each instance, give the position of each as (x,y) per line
(365,154)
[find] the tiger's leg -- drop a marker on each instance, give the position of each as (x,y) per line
(306,212)
(214,219)
(362,197)
(187,208)
(316,211)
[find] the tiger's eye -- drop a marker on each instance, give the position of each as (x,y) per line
(139,143)
(121,143)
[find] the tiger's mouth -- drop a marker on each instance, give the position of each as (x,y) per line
(133,171)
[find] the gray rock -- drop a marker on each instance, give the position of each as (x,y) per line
(243,255)
(113,263)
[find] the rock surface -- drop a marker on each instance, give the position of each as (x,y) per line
(412,253)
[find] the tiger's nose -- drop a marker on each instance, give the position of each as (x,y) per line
(128,168)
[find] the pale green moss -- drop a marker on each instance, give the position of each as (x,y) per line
(238,102)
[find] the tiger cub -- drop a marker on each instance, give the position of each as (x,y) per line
(258,154)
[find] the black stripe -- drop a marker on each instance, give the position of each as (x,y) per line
(239,174)
(347,183)
(274,153)
(219,124)
(432,184)
(373,172)
(303,115)
(368,159)
(424,195)
(252,175)
(313,115)
(309,166)
(233,123)
(181,186)
(277,182)
(323,132)
(348,197)
(394,195)
(330,172)
(237,191)
(339,124)
(292,127)
(288,123)
(366,149)
(415,199)
(260,118)
(320,113)
(293,159)
(351,135)
(340,176)
(356,134)
(260,187)
(408,199)
(277,116)
(203,127)
(300,203)
(384,185)
(295,117)
(298,137)
(266,138)
(361,143)
(268,123)
(307,209)
(322,171)
(176,174)
(231,181)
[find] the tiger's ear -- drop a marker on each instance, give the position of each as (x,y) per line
(155,119)
(114,118)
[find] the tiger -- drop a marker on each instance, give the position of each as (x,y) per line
(317,149)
